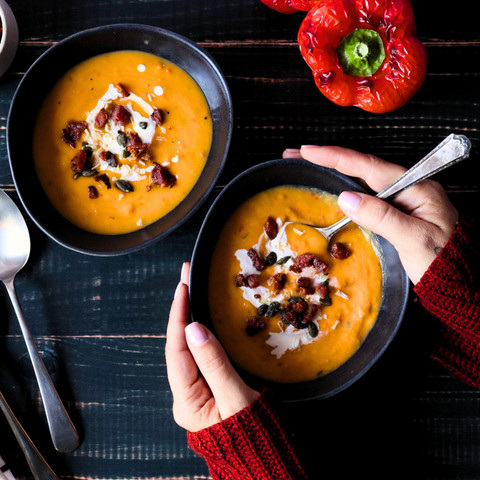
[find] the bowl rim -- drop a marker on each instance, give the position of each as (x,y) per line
(281,387)
(228,98)
(9,34)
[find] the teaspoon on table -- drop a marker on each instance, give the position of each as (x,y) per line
(39,467)
(14,253)
(452,150)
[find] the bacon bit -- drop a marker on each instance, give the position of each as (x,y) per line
(340,251)
(311,314)
(162,176)
(303,282)
(101,118)
(157,116)
(92,192)
(304,260)
(257,296)
(306,290)
(239,281)
(134,139)
(256,262)
(295,268)
(300,307)
(254,325)
(139,151)
(78,161)
(72,133)
(322,291)
(108,157)
(122,90)
(120,115)
(278,281)
(271,228)
(252,281)
(293,318)
(319,265)
(103,178)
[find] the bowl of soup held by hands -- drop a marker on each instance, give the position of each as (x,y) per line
(116,136)
(302,316)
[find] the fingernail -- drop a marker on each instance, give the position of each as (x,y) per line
(177,289)
(196,334)
(293,150)
(309,146)
(349,201)
(183,268)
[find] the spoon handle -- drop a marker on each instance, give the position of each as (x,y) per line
(64,435)
(452,150)
(39,467)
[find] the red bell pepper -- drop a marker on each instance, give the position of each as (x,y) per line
(290,6)
(364,52)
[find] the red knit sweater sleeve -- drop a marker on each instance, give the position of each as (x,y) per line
(250,445)
(450,289)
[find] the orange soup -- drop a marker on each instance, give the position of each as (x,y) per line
(287,306)
(120,140)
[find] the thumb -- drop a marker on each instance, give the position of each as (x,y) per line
(230,391)
(376,215)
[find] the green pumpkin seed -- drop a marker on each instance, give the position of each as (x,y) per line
(89,172)
(122,139)
(126,153)
(261,310)
(272,309)
(87,148)
(293,300)
(283,260)
(76,175)
(124,186)
(312,329)
(143,125)
(327,301)
(270,259)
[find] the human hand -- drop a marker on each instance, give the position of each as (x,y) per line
(206,388)
(418,224)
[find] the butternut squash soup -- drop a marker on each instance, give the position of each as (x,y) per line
(120,140)
(287,306)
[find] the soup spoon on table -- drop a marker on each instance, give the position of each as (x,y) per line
(452,150)
(14,253)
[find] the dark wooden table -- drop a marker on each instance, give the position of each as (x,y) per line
(100,322)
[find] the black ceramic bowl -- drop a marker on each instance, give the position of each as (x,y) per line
(48,69)
(302,173)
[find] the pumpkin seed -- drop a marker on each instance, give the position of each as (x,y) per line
(327,301)
(143,125)
(87,148)
(124,186)
(270,259)
(76,175)
(122,139)
(312,329)
(293,300)
(283,260)
(272,309)
(262,309)
(126,153)
(89,172)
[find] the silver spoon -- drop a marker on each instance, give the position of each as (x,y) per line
(14,253)
(452,150)
(39,467)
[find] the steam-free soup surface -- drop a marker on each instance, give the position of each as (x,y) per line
(336,325)
(179,143)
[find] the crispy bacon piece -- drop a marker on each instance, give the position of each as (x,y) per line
(311,314)
(101,118)
(271,228)
(103,178)
(278,281)
(304,260)
(239,281)
(134,139)
(340,251)
(92,192)
(254,325)
(322,291)
(78,161)
(256,261)
(122,90)
(157,116)
(139,151)
(303,282)
(319,265)
(252,281)
(300,307)
(295,269)
(293,318)
(162,176)
(72,133)
(120,115)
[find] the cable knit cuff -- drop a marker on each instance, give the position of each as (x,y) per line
(450,289)
(250,445)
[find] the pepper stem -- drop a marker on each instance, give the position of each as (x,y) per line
(361,53)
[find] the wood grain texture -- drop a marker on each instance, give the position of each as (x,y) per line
(100,323)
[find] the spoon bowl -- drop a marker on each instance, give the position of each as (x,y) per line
(14,253)
(452,150)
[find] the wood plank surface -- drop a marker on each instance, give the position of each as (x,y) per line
(100,323)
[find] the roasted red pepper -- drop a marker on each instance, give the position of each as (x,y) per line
(364,52)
